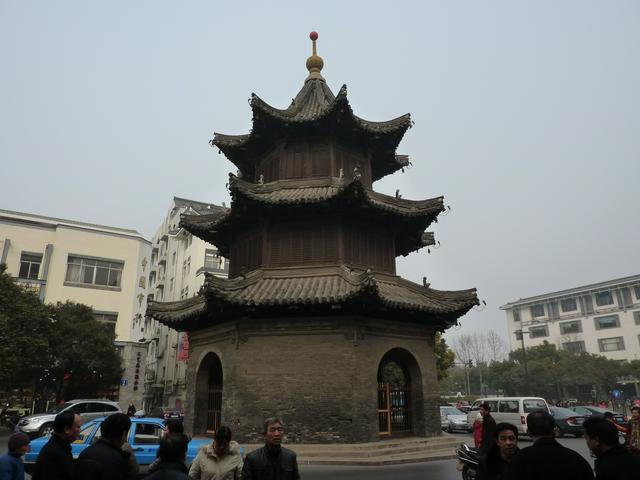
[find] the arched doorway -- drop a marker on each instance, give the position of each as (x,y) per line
(399,392)
(208,395)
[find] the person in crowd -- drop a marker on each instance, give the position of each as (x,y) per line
(546,459)
(477,430)
(55,461)
(106,459)
(488,429)
(271,462)
(172,454)
(173,426)
(131,411)
(218,461)
(498,463)
(611,419)
(613,461)
(633,432)
(11,465)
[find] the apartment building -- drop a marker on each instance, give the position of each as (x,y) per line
(601,318)
(100,266)
(178,263)
(96,265)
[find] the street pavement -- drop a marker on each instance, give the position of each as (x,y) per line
(439,470)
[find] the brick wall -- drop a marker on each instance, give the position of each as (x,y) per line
(318,374)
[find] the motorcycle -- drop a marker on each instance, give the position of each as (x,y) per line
(468,459)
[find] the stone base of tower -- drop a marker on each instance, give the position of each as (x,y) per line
(322,376)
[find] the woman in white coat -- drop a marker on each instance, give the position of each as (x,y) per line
(219,461)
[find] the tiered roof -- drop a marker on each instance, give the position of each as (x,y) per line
(267,292)
(301,291)
(315,109)
(411,217)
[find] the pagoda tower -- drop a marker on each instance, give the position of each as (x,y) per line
(313,311)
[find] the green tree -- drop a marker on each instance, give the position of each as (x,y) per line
(444,356)
(25,327)
(84,361)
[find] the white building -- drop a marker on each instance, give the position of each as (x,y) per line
(103,267)
(601,318)
(178,264)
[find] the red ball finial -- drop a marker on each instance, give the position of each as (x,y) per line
(313,36)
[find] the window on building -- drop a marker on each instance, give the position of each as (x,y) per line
(184,268)
(173,258)
(608,321)
(636,289)
(604,298)
(186,292)
(538,332)
(94,272)
(611,344)
(188,265)
(210,260)
(537,310)
(516,315)
(108,319)
(30,265)
(636,317)
(518,335)
(171,285)
(571,327)
(569,305)
(574,347)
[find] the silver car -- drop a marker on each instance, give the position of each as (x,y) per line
(452,419)
(41,424)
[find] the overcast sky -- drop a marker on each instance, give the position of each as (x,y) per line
(527,119)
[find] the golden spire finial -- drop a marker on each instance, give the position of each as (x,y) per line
(314,62)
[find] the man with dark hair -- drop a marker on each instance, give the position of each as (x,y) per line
(11,465)
(546,459)
(498,463)
(55,461)
(105,459)
(172,454)
(271,462)
(488,429)
(613,461)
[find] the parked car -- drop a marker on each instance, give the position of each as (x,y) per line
(513,410)
(452,419)
(588,410)
(144,438)
(10,416)
(40,424)
(167,413)
(568,421)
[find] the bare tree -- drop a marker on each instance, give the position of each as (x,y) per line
(480,347)
(462,347)
(496,346)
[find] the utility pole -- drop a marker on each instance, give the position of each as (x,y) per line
(524,361)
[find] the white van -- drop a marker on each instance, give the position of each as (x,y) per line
(512,410)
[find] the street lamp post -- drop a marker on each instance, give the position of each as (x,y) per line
(524,358)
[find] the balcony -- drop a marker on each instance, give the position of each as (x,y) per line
(160,281)
(162,258)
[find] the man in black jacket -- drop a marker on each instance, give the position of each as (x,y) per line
(498,463)
(488,429)
(546,459)
(105,459)
(271,462)
(55,461)
(614,461)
